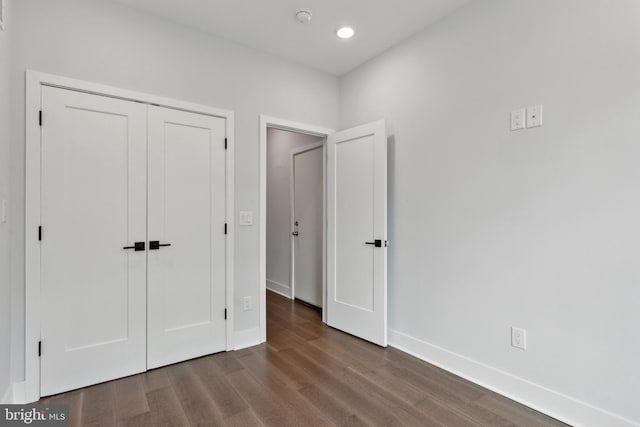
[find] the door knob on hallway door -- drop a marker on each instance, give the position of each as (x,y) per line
(295,233)
(377,243)
(154,245)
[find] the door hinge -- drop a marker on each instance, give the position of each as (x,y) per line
(40,118)
(225,143)
(39,348)
(225,228)
(39,233)
(225,314)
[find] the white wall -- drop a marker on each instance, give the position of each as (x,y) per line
(280,143)
(488,228)
(5,286)
(540,228)
(105,42)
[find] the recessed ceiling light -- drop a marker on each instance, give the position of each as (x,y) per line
(345,32)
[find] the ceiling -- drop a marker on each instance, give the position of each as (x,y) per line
(270,26)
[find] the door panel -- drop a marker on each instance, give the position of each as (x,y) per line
(186,210)
(93,205)
(354,195)
(357,215)
(307,213)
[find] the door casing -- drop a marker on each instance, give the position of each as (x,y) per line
(29,390)
(288,125)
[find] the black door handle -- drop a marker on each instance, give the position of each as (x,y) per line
(154,245)
(137,246)
(377,243)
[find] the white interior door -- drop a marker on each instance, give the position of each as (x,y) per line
(186,288)
(357,232)
(93,205)
(307,200)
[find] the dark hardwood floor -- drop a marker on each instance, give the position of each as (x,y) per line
(307,374)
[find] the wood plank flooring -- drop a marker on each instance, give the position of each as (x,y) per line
(307,374)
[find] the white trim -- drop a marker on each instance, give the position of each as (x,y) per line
(231,233)
(246,338)
(7,396)
(32,246)
(292,192)
(34,81)
(125,94)
(19,393)
(555,404)
(275,123)
(279,288)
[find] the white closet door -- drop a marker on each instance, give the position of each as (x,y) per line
(186,287)
(357,231)
(93,205)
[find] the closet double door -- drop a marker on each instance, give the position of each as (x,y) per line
(132,238)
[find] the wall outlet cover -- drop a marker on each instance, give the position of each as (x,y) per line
(518,119)
(534,116)
(519,338)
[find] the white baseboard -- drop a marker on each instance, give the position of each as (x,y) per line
(246,338)
(15,394)
(557,405)
(7,396)
(20,393)
(279,288)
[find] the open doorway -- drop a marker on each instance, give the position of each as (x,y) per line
(283,144)
(354,295)
(294,227)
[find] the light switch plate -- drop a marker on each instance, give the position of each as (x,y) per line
(518,119)
(534,116)
(246,218)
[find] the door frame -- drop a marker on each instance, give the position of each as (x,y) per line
(34,82)
(267,122)
(292,255)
